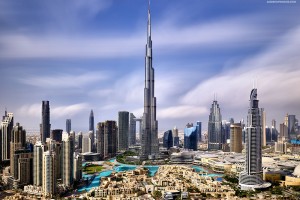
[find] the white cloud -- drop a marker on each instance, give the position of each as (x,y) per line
(35,110)
(277,71)
(65,80)
(181,111)
(68,111)
(226,33)
(24,46)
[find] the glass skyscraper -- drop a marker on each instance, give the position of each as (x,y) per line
(45,126)
(215,127)
(149,140)
(251,178)
(168,139)
(68,125)
(123,129)
(91,122)
(191,137)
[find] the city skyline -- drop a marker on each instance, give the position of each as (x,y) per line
(77,73)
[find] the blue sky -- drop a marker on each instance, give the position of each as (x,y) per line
(83,55)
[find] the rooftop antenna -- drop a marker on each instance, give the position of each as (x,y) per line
(256,83)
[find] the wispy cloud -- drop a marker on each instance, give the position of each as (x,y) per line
(62,81)
(24,46)
(70,110)
(276,71)
(34,110)
(181,111)
(227,33)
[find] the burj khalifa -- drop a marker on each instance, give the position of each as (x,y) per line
(149,124)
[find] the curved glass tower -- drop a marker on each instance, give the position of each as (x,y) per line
(191,137)
(251,178)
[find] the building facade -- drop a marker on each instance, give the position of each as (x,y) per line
(175,136)
(56,135)
(168,139)
(236,138)
(110,139)
(45,126)
(49,178)
(80,140)
(86,144)
(132,130)
(149,141)
(100,138)
(91,122)
(107,139)
(38,151)
(123,129)
(18,141)
(215,127)
(67,160)
(263,127)
(6,129)
(22,168)
(251,177)
(77,175)
(191,137)
(292,127)
(68,125)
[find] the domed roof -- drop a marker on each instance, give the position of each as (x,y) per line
(297,171)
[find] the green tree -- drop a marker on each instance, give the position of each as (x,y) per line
(157,194)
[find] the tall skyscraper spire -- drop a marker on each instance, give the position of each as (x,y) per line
(214,127)
(149,124)
(149,23)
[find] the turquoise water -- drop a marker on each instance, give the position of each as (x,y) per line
(198,169)
(152,170)
(123,168)
(214,175)
(95,182)
(87,176)
(112,160)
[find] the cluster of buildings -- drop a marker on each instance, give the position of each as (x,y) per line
(53,163)
(170,180)
(40,167)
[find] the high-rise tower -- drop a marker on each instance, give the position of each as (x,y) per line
(251,178)
(38,151)
(132,130)
(91,122)
(45,126)
(18,141)
(123,129)
(214,127)
(6,129)
(263,124)
(149,124)
(68,125)
(49,178)
(236,138)
(67,159)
